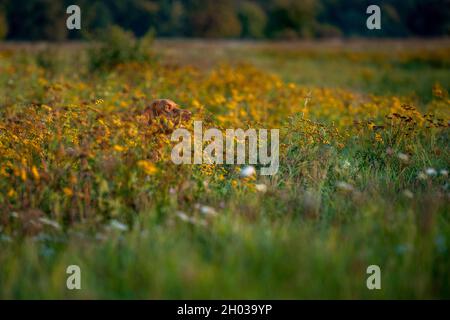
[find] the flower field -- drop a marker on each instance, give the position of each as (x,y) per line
(362,180)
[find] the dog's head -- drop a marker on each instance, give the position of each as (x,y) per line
(166,108)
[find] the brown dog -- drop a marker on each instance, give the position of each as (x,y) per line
(168,109)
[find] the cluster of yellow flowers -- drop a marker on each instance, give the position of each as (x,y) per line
(61,139)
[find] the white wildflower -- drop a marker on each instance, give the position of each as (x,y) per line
(51,223)
(346,164)
(183,216)
(118,225)
(208,211)
(408,194)
(248,171)
(403,157)
(422,176)
(205,210)
(344,186)
(261,187)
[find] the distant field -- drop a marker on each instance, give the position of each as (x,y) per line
(363,177)
(387,67)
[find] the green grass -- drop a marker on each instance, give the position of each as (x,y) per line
(306,238)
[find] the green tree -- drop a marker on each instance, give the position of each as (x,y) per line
(170,18)
(293,17)
(430,17)
(253,20)
(213,19)
(37,19)
(3,25)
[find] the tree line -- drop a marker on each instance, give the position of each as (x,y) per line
(255,19)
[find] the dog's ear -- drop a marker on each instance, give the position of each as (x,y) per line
(170,106)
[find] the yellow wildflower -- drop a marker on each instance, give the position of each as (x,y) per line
(11,193)
(378,137)
(23,174)
(148,167)
(68,192)
(35,173)
(119,148)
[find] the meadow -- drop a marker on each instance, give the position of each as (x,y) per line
(363,177)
